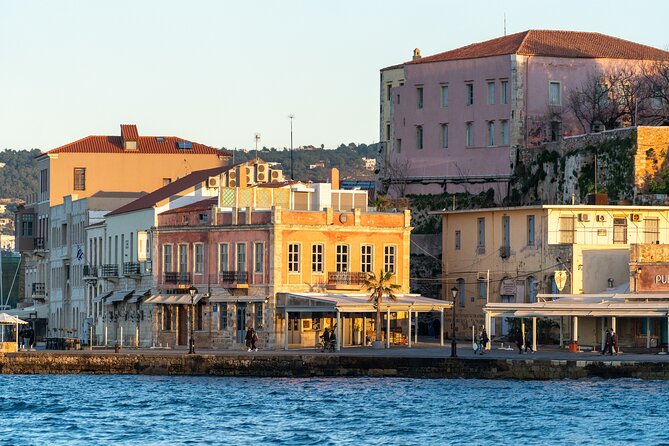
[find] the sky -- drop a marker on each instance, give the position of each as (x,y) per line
(218,72)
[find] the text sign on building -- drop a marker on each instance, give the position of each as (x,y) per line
(653,278)
(508,287)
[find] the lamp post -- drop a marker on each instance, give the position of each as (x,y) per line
(191,341)
(454,353)
(291,116)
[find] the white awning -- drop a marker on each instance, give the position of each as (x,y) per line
(102,296)
(9,319)
(118,296)
(215,298)
(357,303)
(173,299)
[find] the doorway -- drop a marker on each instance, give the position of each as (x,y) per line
(241,323)
(182,317)
(294,332)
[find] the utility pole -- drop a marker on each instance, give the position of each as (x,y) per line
(291,116)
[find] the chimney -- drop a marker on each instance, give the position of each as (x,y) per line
(416,54)
(334,178)
(129,136)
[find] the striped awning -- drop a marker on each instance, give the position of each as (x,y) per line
(138,295)
(102,296)
(173,299)
(119,296)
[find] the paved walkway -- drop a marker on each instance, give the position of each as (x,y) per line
(426,348)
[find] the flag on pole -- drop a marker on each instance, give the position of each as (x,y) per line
(80,253)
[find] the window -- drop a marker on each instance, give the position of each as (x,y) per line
(293,258)
(567,229)
(556,130)
(342,258)
(554,93)
(79,178)
(183,258)
(389,258)
(366,257)
(419,97)
(491,93)
(491,133)
(167,317)
(167,258)
(469,94)
(619,230)
(651,230)
(43,180)
(387,132)
(458,240)
(222,316)
(532,289)
(241,257)
(469,134)
(223,257)
(258,314)
(481,235)
(444,95)
(504,92)
(27,224)
(398,144)
(198,267)
(398,99)
(504,132)
(317,251)
(444,136)
(258,257)
(419,137)
(483,289)
(506,232)
(461,292)
(388,92)
(530,230)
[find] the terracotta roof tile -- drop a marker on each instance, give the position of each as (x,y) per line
(129,132)
(571,44)
(201,205)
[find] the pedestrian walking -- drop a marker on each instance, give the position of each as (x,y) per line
(326,339)
(519,341)
(254,340)
(25,339)
(528,343)
(249,338)
(477,343)
(608,344)
(484,339)
(31,335)
(614,342)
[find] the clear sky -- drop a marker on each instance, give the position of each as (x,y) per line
(217,72)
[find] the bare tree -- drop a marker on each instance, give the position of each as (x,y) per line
(656,94)
(398,175)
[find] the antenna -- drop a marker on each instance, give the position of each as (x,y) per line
(257,141)
(291,117)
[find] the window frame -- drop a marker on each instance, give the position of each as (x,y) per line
(504,131)
(458,240)
(420,96)
(491,92)
(469,134)
(490,130)
(342,258)
(241,253)
(558,100)
(294,254)
(258,257)
(79,179)
(419,137)
(469,93)
(223,266)
(222,316)
(444,135)
(317,258)
(444,95)
(531,230)
(504,91)
(198,263)
(390,259)
(171,254)
(366,258)
(182,248)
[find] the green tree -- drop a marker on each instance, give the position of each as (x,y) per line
(380,287)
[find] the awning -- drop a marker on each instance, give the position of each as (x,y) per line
(234,299)
(102,296)
(356,303)
(137,295)
(173,299)
(119,296)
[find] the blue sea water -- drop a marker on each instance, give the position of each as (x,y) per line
(119,410)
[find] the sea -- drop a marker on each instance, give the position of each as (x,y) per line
(168,410)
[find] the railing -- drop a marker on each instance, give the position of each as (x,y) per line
(228,277)
(131,269)
(39,289)
(39,243)
(177,278)
(109,271)
(346,278)
(90,271)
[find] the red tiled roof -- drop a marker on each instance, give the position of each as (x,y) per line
(571,44)
(201,205)
(145,144)
(165,192)
(129,132)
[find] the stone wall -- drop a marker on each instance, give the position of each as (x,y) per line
(313,365)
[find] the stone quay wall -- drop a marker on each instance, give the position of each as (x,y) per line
(318,365)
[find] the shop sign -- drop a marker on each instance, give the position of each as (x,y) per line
(653,278)
(560,279)
(508,288)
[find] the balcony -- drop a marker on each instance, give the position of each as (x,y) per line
(131,269)
(233,279)
(344,280)
(108,271)
(39,243)
(39,291)
(90,271)
(178,279)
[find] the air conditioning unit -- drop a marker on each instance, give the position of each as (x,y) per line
(583,217)
(247,171)
(262,173)
(601,218)
(635,217)
(212,182)
(505,252)
(261,177)
(276,175)
(232,183)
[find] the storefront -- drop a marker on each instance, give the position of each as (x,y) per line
(301,318)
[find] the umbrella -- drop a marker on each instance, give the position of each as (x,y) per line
(8,319)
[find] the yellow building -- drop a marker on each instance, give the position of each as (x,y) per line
(510,255)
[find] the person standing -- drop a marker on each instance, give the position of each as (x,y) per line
(326,339)
(254,340)
(249,338)
(528,343)
(477,343)
(614,342)
(519,341)
(484,339)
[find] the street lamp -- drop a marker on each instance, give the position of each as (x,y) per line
(191,342)
(454,353)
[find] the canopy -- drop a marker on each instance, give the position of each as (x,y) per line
(11,320)
(357,303)
(137,295)
(119,296)
(173,299)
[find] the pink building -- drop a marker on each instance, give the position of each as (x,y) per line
(458,118)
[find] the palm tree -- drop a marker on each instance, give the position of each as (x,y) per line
(380,286)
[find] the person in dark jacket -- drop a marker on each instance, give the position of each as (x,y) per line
(519,341)
(326,339)
(608,344)
(528,343)
(249,339)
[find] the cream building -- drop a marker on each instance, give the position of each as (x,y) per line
(511,255)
